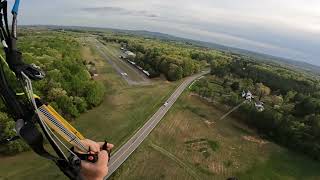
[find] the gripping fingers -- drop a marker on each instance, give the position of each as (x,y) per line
(93,146)
(107,147)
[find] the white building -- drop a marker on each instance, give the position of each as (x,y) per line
(259,106)
(247,95)
(130,54)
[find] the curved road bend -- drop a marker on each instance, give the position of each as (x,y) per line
(129,147)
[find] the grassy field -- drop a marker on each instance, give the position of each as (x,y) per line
(112,52)
(123,111)
(190,143)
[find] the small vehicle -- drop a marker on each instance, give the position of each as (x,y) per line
(124,74)
(165,104)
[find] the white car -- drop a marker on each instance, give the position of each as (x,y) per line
(165,104)
(124,74)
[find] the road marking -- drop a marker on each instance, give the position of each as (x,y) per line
(143,132)
(145,129)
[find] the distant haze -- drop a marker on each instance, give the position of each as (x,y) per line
(286,28)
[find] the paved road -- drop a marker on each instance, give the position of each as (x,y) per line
(127,149)
(119,65)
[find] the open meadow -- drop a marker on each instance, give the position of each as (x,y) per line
(191,143)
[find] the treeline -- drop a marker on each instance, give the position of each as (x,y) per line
(68,86)
(292,101)
(277,78)
(174,67)
(174,60)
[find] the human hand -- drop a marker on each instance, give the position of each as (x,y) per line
(98,170)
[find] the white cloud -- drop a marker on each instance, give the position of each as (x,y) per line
(288,28)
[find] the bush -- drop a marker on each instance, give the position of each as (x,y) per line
(214,145)
(6,131)
(94,93)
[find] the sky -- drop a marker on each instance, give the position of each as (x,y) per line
(286,28)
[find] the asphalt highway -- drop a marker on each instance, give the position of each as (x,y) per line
(133,77)
(132,144)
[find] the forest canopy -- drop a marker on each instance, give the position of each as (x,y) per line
(175,60)
(68,86)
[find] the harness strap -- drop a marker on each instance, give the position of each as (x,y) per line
(5,17)
(16,64)
(24,115)
(5,141)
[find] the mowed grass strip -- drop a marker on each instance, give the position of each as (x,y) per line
(113,52)
(174,158)
(214,149)
(124,109)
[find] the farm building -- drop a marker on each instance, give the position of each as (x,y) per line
(130,54)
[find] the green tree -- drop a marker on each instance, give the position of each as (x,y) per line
(248,84)
(235,86)
(94,93)
(307,106)
(6,131)
(81,104)
(55,93)
(276,100)
(175,72)
(66,104)
(290,96)
(262,90)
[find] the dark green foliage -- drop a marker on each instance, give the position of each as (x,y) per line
(278,78)
(220,67)
(199,55)
(173,60)
(292,105)
(175,72)
(66,104)
(213,145)
(235,86)
(6,131)
(307,105)
(68,86)
(94,93)
(81,104)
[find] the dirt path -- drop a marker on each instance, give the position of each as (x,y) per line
(175,159)
(231,111)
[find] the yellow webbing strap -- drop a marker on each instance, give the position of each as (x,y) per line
(34,95)
(3,60)
(52,125)
(63,121)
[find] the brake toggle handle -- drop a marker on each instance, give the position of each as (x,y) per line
(92,157)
